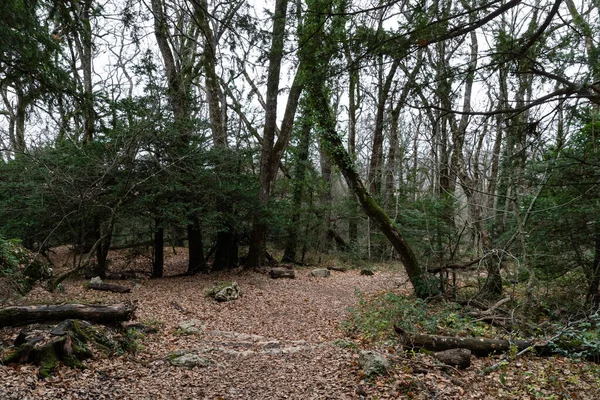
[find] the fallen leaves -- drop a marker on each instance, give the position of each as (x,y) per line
(276,342)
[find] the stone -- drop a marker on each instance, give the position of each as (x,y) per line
(96,281)
(228,293)
(320,272)
(272,345)
(188,360)
(373,363)
(460,358)
(191,327)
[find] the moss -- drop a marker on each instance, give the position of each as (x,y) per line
(212,292)
(13,357)
(47,359)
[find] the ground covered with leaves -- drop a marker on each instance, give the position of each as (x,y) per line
(283,339)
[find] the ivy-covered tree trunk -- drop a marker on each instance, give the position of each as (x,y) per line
(353,105)
(424,284)
(293,229)
(317,54)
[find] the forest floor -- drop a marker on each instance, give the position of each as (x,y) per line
(282,339)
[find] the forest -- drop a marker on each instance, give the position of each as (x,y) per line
(437,161)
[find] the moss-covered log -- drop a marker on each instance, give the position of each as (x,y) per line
(20,315)
(478,346)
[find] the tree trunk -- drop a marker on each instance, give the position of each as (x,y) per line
(269,158)
(593,294)
(196,261)
(293,230)
(159,245)
(226,252)
(353,104)
(226,245)
(377,148)
(19,315)
(324,213)
(318,58)
(424,284)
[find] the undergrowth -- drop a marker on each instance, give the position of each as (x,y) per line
(374,317)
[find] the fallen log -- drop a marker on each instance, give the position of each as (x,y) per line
(276,273)
(478,346)
(20,315)
(109,287)
(339,269)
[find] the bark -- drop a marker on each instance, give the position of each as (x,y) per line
(158,259)
(102,249)
(353,105)
(593,294)
(377,147)
(293,229)
(226,250)
(19,315)
(324,213)
(478,346)
(196,261)
(109,287)
(176,89)
(277,273)
(272,152)
(178,92)
(84,42)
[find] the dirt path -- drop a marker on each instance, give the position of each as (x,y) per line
(276,342)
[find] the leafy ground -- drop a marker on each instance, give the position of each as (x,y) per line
(284,339)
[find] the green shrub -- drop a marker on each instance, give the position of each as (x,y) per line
(374,318)
(20,266)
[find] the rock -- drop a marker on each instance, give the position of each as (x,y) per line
(188,360)
(366,272)
(228,293)
(373,363)
(460,358)
(320,272)
(191,327)
(96,281)
(272,345)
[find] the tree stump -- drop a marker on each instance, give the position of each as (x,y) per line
(460,358)
(68,342)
